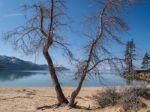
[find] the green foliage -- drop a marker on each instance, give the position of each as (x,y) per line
(146,61)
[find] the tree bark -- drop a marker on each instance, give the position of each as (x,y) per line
(130,71)
(60,96)
(76,92)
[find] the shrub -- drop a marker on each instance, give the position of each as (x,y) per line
(128,99)
(107,98)
(142,92)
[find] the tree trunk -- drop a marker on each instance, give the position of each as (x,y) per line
(76,92)
(130,67)
(60,96)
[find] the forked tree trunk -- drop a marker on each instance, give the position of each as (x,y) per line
(60,96)
(76,92)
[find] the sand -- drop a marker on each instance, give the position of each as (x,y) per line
(29,99)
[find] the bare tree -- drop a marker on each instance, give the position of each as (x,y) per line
(41,33)
(110,23)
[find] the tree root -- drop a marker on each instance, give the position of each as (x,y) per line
(54,106)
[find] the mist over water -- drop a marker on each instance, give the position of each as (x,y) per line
(66,78)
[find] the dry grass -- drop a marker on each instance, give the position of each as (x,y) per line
(107,98)
(128,99)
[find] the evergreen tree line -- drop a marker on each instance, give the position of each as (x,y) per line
(130,56)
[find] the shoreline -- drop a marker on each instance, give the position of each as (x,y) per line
(148,85)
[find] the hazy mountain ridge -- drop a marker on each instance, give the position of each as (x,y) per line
(14,63)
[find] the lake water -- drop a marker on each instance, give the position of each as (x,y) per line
(42,78)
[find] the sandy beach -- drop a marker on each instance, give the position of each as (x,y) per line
(30,99)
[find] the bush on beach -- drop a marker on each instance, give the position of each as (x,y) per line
(128,99)
(107,98)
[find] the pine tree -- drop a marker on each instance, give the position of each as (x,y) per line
(146,61)
(130,56)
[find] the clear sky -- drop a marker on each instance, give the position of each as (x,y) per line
(138,17)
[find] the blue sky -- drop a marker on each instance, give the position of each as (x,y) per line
(137,16)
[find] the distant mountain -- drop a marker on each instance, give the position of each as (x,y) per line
(13,63)
(61,68)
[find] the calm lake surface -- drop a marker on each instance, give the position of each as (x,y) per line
(42,78)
